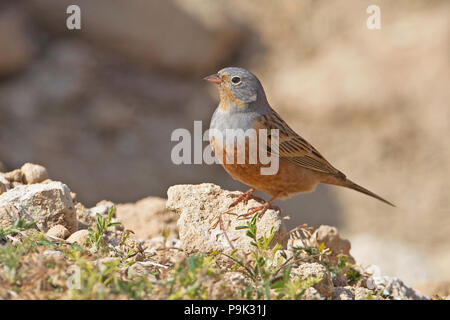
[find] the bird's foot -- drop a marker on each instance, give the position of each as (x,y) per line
(261,210)
(244,197)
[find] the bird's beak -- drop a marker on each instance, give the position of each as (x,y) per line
(214,78)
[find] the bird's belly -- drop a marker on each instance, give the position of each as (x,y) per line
(287,181)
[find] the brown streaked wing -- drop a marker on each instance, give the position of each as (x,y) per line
(294,148)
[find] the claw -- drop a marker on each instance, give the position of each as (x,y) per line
(262,209)
(245,197)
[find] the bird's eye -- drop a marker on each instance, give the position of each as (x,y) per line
(235,80)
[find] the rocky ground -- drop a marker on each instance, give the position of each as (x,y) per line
(188,246)
(104,100)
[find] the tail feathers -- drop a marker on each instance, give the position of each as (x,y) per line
(350,184)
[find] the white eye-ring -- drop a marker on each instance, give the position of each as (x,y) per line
(236,80)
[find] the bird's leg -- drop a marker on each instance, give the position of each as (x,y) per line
(263,208)
(244,197)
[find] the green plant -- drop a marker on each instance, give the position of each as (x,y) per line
(264,271)
(10,254)
(18,226)
(188,279)
(101,226)
(342,267)
(103,280)
(295,289)
(9,258)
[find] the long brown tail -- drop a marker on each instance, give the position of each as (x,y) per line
(350,184)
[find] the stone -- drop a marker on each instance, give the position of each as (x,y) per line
(361,293)
(137,270)
(48,204)
(330,237)
(148,218)
(102,208)
(33,173)
(316,270)
(393,287)
(5,185)
(236,278)
(312,294)
(14,176)
(2,187)
(58,231)
(8,215)
(343,293)
(57,253)
(200,205)
(81,237)
(173,243)
(84,218)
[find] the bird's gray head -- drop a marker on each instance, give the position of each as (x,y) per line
(238,86)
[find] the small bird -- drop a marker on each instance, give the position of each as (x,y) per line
(243,105)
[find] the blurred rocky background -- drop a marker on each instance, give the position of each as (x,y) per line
(97,106)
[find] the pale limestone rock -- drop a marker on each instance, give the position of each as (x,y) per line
(2,187)
(84,218)
(331,239)
(5,185)
(33,173)
(148,218)
(343,293)
(58,231)
(102,208)
(54,253)
(8,215)
(48,204)
(81,237)
(14,176)
(316,270)
(197,205)
(361,293)
(393,287)
(137,270)
(312,294)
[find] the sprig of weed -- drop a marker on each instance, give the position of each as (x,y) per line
(186,281)
(100,281)
(101,226)
(10,254)
(18,226)
(265,273)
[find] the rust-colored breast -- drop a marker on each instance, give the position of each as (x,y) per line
(289,180)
